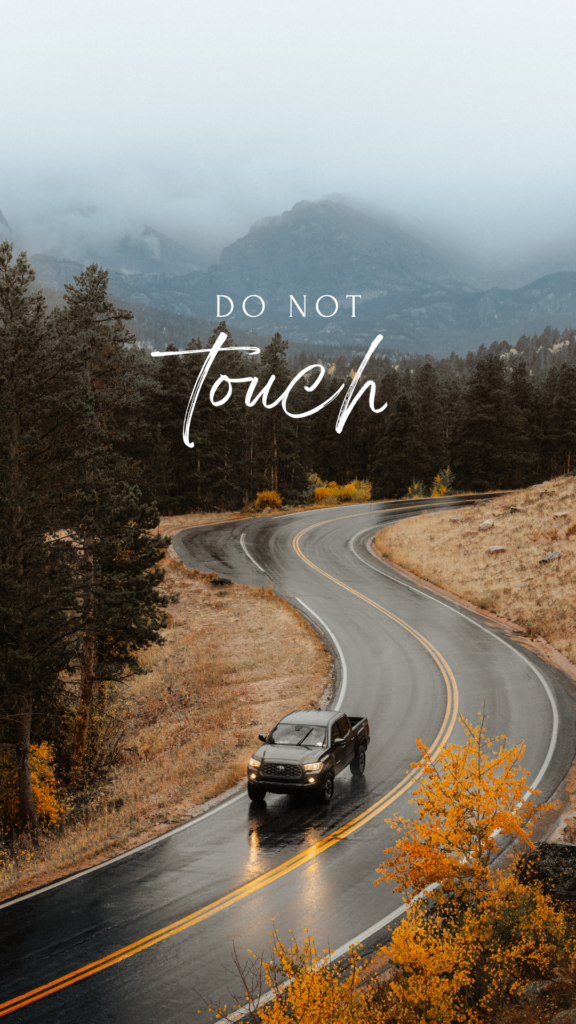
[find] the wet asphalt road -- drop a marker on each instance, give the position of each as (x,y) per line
(388,674)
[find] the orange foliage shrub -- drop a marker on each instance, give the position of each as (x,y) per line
(486,936)
(466,794)
(336,494)
(571,530)
(468,962)
(271,498)
(48,806)
(315,992)
(442,483)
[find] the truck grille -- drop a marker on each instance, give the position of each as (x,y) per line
(272,770)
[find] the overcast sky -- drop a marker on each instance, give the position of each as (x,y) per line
(200,116)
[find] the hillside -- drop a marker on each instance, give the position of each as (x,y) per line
(500,567)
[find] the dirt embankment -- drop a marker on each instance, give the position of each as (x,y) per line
(235,660)
(452,551)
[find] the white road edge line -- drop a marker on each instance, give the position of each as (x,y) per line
(344,680)
(248,555)
(263,999)
(122,856)
(446,604)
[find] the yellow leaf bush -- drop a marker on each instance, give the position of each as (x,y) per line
(315,990)
(270,498)
(467,793)
(466,962)
(416,490)
(48,805)
(442,483)
(336,494)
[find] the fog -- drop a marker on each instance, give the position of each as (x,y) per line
(200,118)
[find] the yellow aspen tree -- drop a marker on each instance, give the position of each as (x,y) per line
(468,795)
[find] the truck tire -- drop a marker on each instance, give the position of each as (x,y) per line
(256,793)
(358,765)
(325,790)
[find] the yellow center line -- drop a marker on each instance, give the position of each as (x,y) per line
(301,858)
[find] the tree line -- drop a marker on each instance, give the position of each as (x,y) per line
(497,421)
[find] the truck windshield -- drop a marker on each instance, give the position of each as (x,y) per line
(299,735)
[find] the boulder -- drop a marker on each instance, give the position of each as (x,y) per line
(533,990)
(564,1016)
(551,556)
(496,549)
(516,508)
(482,501)
(456,519)
(486,525)
(544,493)
(560,515)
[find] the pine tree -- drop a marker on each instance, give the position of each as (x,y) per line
(38,610)
(400,453)
(489,437)
(430,414)
(116,580)
(559,420)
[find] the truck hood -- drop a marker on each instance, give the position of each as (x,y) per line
(282,752)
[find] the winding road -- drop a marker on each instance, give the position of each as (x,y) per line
(149,936)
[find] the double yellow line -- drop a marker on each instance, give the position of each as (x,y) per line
(18,1002)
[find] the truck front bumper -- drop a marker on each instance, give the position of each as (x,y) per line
(289,786)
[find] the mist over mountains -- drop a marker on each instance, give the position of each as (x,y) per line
(420,296)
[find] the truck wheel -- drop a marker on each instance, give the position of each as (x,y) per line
(256,793)
(325,791)
(358,765)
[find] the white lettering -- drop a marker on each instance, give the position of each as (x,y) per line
(253,297)
(219,312)
(349,402)
(222,379)
(335,301)
(308,387)
(251,398)
(353,297)
(210,354)
(301,311)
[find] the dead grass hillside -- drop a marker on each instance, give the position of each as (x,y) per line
(236,659)
(450,550)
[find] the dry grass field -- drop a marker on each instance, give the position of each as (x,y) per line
(235,660)
(449,549)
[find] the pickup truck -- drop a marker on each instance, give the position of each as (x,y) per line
(305,751)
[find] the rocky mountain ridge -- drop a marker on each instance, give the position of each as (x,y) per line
(420,298)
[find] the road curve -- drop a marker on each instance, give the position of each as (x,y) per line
(148,936)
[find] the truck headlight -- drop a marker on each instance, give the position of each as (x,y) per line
(315,767)
(254,762)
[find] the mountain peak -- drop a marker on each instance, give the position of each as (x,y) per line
(331,246)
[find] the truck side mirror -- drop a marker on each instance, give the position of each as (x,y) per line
(262,736)
(338,742)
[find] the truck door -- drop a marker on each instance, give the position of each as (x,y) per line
(349,739)
(340,749)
